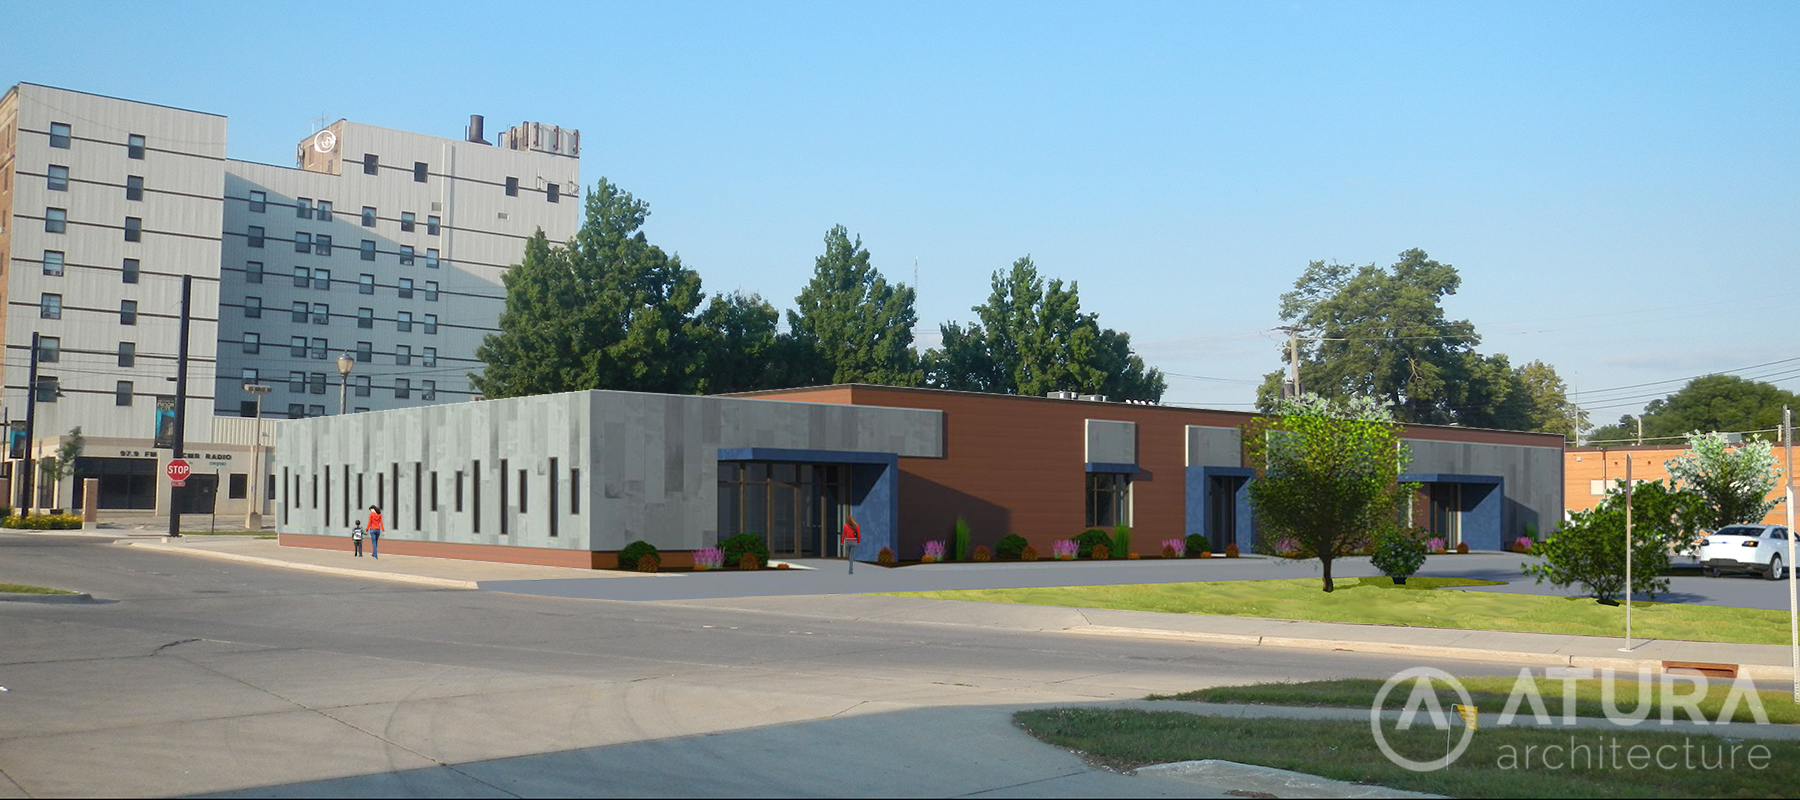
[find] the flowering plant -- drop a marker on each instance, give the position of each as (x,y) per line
(709,558)
(1523,544)
(934,551)
(1176,546)
(1064,549)
(1435,544)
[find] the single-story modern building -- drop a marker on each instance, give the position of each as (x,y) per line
(570,479)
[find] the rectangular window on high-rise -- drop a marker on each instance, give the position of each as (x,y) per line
(53,263)
(368,217)
(367,250)
(302,277)
(134,188)
(60,135)
(56,220)
(403,355)
(322,279)
(302,242)
(315,383)
(122,393)
(297,346)
(49,349)
(127,354)
(403,321)
(431,323)
(420,171)
(321,314)
(429,390)
(127,312)
(371,163)
(406,222)
(303,207)
(253,272)
(252,343)
(254,238)
(512,187)
(429,359)
(50,306)
(365,318)
(259,202)
(322,244)
(406,288)
(431,259)
(134,147)
(402,389)
(129,272)
(58,179)
(253,307)
(365,284)
(365,352)
(431,291)
(431,226)
(406,255)
(134,229)
(297,383)
(325,210)
(301,311)
(318,349)
(362,386)
(553,193)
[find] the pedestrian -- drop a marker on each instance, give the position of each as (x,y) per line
(356,537)
(374,531)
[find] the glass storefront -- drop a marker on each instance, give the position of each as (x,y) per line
(797,508)
(1108,499)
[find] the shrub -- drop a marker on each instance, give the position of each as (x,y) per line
(1101,553)
(709,558)
(635,552)
(1088,539)
(1169,551)
(749,561)
(1589,548)
(885,557)
(649,562)
(1064,550)
(1398,553)
(934,551)
(1028,553)
(1197,546)
(1231,550)
(6,511)
(43,522)
(959,536)
(736,547)
(983,554)
(1462,547)
(1121,540)
(1011,545)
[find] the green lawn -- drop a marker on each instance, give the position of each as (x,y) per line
(1342,750)
(1490,695)
(19,588)
(1417,604)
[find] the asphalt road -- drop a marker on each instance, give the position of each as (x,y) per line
(199,676)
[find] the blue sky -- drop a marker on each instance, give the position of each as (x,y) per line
(1617,183)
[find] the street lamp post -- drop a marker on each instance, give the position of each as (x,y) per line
(345,362)
(253,520)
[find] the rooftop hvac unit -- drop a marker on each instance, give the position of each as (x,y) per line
(1060,395)
(1094,398)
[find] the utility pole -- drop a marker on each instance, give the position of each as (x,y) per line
(1627,647)
(1293,359)
(1640,438)
(31,390)
(181,370)
(1787,440)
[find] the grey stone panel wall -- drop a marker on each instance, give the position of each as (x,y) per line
(1533,477)
(1111,442)
(1209,446)
(648,463)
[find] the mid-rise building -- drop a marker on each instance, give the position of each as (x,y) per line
(380,248)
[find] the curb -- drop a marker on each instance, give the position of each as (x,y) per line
(419,580)
(1755,672)
(29,597)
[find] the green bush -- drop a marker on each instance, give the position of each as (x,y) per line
(959,540)
(635,552)
(1197,546)
(1121,541)
(1589,549)
(736,546)
(1398,553)
(1011,545)
(1084,543)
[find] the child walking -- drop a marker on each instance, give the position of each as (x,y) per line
(356,535)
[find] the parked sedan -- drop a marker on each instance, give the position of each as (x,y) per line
(1759,549)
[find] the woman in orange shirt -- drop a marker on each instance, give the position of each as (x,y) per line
(374,530)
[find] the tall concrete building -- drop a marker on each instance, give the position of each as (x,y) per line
(384,246)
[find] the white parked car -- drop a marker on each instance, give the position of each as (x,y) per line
(1761,549)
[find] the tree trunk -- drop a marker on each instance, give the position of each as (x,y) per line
(1325,561)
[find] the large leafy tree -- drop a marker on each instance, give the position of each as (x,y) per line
(1711,403)
(1735,482)
(1382,332)
(1327,476)
(607,310)
(1031,337)
(744,350)
(851,325)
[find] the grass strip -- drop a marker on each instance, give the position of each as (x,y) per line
(19,588)
(1421,603)
(1127,739)
(1490,695)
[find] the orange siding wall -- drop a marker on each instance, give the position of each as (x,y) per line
(1582,466)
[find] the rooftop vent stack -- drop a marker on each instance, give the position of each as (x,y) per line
(476,123)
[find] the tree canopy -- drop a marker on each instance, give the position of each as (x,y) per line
(851,325)
(1382,332)
(1031,337)
(607,310)
(1711,403)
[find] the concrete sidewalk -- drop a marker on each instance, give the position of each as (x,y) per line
(1757,661)
(443,573)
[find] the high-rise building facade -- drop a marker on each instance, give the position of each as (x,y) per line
(382,246)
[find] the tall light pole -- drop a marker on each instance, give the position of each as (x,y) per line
(345,363)
(253,520)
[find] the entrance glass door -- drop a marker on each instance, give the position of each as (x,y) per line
(797,508)
(1222,512)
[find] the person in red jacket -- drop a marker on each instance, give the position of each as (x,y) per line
(374,528)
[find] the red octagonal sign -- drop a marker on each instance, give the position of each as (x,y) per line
(178,472)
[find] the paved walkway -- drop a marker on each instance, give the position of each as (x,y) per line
(439,572)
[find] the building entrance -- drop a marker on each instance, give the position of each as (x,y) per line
(797,508)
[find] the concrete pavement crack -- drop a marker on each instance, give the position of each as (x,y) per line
(174,643)
(1025,783)
(14,783)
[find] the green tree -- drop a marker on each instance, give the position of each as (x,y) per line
(1327,475)
(1589,548)
(62,465)
(607,310)
(1031,338)
(1548,401)
(743,345)
(851,325)
(1712,403)
(1733,482)
(1382,332)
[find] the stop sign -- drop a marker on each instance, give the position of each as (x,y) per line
(178,472)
